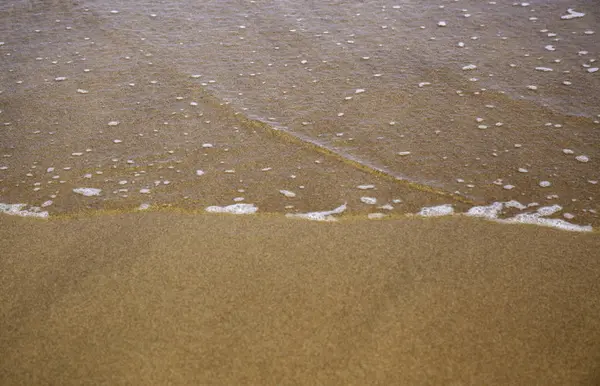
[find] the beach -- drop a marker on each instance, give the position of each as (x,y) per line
(172,298)
(277,192)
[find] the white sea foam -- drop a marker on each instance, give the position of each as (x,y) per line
(88,192)
(19,210)
(572,14)
(233,209)
(549,210)
(514,204)
(365,187)
(319,216)
(537,219)
(143,206)
(434,211)
(368,200)
(490,211)
(288,193)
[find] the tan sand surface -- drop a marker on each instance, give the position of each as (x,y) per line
(171,298)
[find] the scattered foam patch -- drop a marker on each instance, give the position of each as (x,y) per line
(288,193)
(537,219)
(582,158)
(233,209)
(549,210)
(368,200)
(491,212)
(434,211)
(572,14)
(365,187)
(88,192)
(514,204)
(143,206)
(319,216)
(19,210)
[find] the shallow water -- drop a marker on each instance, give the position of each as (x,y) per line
(432,102)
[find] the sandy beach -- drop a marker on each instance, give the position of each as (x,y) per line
(124,123)
(173,298)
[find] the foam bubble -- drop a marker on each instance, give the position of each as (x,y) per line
(489,211)
(434,211)
(536,219)
(368,200)
(233,209)
(572,14)
(288,193)
(18,210)
(514,204)
(88,192)
(319,216)
(549,210)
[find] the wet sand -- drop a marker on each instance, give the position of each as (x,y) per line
(172,298)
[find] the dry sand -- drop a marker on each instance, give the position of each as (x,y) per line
(167,298)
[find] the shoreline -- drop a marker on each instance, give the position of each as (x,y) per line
(487,213)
